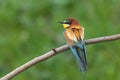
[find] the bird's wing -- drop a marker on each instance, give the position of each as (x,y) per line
(69,41)
(79,33)
(70,34)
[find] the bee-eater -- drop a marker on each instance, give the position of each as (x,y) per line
(74,35)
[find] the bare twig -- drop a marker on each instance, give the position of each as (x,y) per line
(52,53)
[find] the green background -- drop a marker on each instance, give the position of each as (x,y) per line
(29,28)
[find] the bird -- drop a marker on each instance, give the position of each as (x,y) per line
(74,35)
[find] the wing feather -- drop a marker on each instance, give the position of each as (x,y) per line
(71,35)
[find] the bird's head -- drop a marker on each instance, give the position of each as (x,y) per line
(70,22)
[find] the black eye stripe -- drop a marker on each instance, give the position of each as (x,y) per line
(67,21)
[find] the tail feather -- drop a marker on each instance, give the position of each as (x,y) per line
(83,75)
(79,58)
(85,55)
(81,46)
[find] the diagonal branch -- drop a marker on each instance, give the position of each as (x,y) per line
(53,52)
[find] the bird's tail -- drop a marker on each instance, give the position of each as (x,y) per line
(83,69)
(78,53)
(81,50)
(81,60)
(83,76)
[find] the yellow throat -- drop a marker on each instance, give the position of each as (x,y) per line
(66,25)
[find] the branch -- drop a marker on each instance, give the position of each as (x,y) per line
(53,52)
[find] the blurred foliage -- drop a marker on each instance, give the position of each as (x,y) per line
(29,28)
